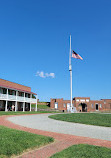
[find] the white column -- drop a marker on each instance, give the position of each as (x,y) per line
(30,101)
(7,94)
(6,101)
(36,104)
(24,103)
(16,101)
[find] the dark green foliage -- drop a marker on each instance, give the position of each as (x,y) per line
(84,151)
(33,96)
(85,118)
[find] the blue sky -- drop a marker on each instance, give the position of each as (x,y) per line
(34,38)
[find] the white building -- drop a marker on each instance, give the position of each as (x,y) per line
(16,97)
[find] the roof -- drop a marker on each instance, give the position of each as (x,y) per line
(17,89)
(15,86)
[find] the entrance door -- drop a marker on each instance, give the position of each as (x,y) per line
(96,106)
(56,105)
(84,107)
(68,107)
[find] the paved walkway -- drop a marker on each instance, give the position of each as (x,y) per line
(42,122)
(62,141)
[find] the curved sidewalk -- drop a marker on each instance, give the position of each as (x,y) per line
(42,122)
(62,141)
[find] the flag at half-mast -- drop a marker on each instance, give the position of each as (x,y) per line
(75,55)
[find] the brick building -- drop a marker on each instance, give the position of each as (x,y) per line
(15,97)
(82,104)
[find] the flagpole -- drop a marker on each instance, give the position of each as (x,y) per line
(70,69)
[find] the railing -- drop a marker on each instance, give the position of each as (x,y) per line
(17,98)
(33,100)
(11,97)
(3,96)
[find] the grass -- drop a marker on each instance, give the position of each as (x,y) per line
(85,118)
(84,151)
(23,113)
(14,142)
(43,107)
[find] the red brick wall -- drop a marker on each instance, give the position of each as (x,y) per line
(105,104)
(92,105)
(60,102)
(6,83)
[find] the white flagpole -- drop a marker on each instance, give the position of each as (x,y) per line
(70,69)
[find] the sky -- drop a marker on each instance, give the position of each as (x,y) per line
(34,46)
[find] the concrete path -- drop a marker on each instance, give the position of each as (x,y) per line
(42,122)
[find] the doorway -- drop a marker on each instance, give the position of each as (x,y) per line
(56,105)
(84,107)
(96,106)
(68,107)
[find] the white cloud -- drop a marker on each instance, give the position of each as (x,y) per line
(52,75)
(41,74)
(44,75)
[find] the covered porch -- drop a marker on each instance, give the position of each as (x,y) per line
(14,106)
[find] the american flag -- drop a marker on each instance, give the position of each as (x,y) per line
(75,55)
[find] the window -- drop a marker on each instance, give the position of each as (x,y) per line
(4,91)
(100,105)
(104,101)
(64,105)
(56,105)
(13,92)
(82,100)
(92,105)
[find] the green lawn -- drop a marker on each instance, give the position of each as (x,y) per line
(84,151)
(43,107)
(85,118)
(23,113)
(14,142)
(40,106)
